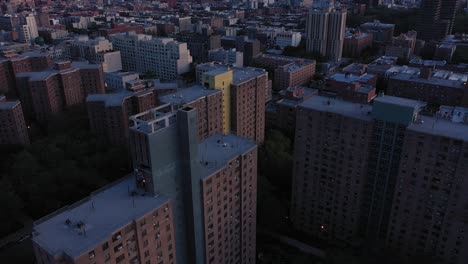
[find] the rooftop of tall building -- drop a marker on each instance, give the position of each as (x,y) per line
(240,74)
(187,95)
(216,151)
(76,229)
(345,108)
(440,127)
(7,105)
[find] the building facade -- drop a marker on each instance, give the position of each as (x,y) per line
(164,57)
(117,224)
(13,129)
(211,182)
(297,73)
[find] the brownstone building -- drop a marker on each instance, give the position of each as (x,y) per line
(116,224)
(47,92)
(13,128)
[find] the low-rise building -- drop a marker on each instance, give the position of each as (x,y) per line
(438,87)
(296,73)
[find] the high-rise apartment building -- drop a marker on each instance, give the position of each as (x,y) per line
(47,92)
(11,64)
(108,113)
(212,184)
(391,116)
(13,128)
(346,160)
(436,19)
(429,211)
(164,57)
(209,105)
(332,140)
(244,92)
(119,223)
(325,29)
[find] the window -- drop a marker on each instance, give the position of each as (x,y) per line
(105,246)
(116,237)
(120,258)
(91,254)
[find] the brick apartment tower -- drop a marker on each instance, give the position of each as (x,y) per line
(429,212)
(108,113)
(244,95)
(13,128)
(48,92)
(116,224)
(209,105)
(212,184)
(332,140)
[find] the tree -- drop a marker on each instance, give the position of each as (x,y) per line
(11,206)
(276,160)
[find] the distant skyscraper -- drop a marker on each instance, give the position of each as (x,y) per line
(437,19)
(325,29)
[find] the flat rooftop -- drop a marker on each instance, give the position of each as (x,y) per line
(438,77)
(102,213)
(110,99)
(440,127)
(351,78)
(240,74)
(345,108)
(216,151)
(6,105)
(187,95)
